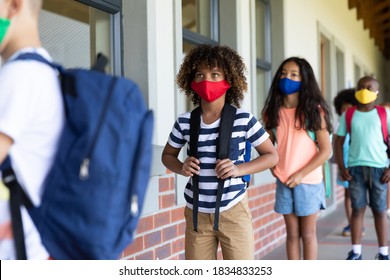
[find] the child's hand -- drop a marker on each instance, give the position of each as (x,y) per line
(386,176)
(294,180)
(225,169)
(190,167)
(345,176)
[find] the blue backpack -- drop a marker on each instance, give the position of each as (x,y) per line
(94,192)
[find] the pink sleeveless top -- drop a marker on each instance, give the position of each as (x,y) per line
(295,149)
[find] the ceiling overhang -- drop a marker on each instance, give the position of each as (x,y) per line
(376,17)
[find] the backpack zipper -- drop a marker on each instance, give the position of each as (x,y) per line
(84,169)
(134,210)
(85,164)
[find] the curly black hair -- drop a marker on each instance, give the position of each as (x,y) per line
(214,56)
(307,115)
(345,96)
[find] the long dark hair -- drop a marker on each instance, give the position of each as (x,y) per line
(311,102)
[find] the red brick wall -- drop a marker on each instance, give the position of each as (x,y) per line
(161,235)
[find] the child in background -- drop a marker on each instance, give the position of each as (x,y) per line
(367,171)
(294,106)
(212,76)
(343,100)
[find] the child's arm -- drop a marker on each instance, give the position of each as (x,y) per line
(170,159)
(268,158)
(344,173)
(5,145)
(324,151)
(271,136)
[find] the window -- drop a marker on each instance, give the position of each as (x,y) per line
(325,81)
(74,32)
(263,51)
(200,20)
(340,69)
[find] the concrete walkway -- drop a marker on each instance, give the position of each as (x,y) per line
(331,244)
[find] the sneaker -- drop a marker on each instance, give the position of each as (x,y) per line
(379,256)
(347,231)
(353,256)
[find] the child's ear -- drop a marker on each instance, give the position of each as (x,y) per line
(15,6)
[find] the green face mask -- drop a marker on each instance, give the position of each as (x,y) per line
(4,25)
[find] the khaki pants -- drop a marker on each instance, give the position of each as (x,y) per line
(235,234)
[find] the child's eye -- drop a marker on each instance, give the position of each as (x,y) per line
(199,75)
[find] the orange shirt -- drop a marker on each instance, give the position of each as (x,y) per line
(295,149)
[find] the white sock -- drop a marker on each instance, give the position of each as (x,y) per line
(357,248)
(384,250)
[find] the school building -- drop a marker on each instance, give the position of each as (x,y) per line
(146,41)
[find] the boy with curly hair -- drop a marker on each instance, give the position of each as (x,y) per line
(212,76)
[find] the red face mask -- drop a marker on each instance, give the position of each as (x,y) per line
(210,91)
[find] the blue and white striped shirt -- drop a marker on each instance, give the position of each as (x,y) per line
(245,128)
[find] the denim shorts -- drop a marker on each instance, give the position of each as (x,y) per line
(366,186)
(303,200)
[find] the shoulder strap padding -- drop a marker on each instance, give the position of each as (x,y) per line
(194,131)
(348,117)
(383,117)
(225,131)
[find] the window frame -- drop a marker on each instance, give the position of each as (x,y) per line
(196,38)
(114,8)
(265,63)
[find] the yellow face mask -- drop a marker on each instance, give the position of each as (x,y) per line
(365,96)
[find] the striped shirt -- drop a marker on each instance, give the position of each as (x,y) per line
(245,128)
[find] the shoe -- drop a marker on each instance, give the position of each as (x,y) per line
(347,231)
(388,213)
(379,256)
(353,256)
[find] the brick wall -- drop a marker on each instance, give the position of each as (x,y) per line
(161,235)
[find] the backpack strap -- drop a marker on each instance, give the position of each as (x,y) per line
(18,197)
(223,151)
(348,117)
(39,58)
(383,117)
(194,138)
